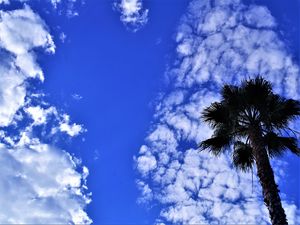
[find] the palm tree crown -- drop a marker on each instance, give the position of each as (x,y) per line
(253,119)
(242,108)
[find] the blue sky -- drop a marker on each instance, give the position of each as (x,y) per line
(124,83)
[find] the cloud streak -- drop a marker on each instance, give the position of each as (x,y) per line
(218,42)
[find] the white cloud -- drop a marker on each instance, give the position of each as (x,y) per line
(146,163)
(65,7)
(55,3)
(146,191)
(259,17)
(60,122)
(133,15)
(62,37)
(39,115)
(40,183)
(4,1)
(76,97)
(71,129)
(218,42)
(69,6)
(22,31)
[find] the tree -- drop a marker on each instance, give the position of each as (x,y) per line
(251,120)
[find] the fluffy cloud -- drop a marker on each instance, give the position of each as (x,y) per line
(133,16)
(40,183)
(39,114)
(71,129)
(60,122)
(22,31)
(221,41)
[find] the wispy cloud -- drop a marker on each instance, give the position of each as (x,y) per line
(76,97)
(218,42)
(133,15)
(40,183)
(65,7)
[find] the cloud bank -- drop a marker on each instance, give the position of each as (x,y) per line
(220,41)
(133,15)
(39,183)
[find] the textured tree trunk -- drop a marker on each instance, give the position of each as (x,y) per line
(266,177)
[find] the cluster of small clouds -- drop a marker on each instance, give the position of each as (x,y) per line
(67,7)
(39,182)
(133,15)
(40,117)
(218,42)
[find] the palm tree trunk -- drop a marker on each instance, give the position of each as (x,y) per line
(266,177)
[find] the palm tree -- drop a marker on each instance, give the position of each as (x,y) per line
(252,120)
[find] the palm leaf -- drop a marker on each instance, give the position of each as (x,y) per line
(214,114)
(232,97)
(281,111)
(277,145)
(242,156)
(255,91)
(216,145)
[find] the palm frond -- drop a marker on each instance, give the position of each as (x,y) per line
(277,145)
(242,156)
(216,145)
(216,113)
(232,97)
(282,111)
(257,88)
